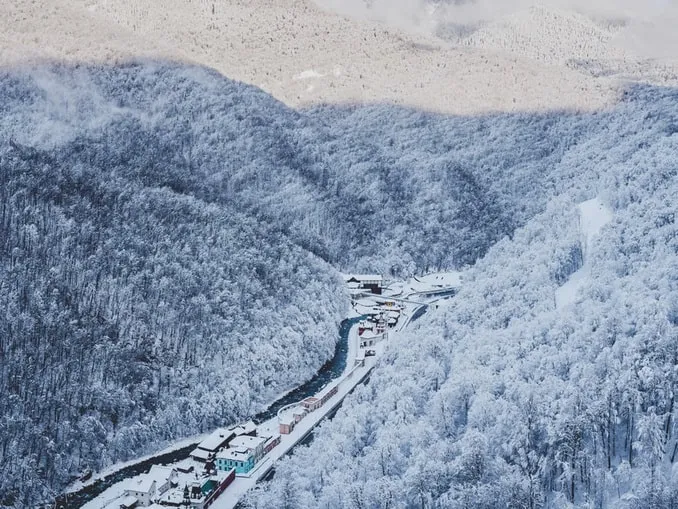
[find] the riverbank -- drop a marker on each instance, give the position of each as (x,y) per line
(79,496)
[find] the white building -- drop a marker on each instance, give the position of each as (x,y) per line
(371,282)
(142,488)
(164,477)
(253,444)
(208,448)
(369,339)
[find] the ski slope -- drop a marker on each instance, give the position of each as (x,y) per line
(593,216)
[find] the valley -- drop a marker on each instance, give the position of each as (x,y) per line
(196,195)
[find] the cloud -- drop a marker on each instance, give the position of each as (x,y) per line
(648,25)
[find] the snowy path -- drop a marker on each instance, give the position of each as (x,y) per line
(593,215)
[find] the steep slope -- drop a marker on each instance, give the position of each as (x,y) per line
(593,216)
(157,224)
(499,399)
(597,40)
(134,197)
(135,312)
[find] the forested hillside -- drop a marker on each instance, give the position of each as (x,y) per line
(158,223)
(498,399)
(336,179)
(134,312)
(166,234)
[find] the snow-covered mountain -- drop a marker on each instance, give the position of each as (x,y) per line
(299,52)
(518,393)
(181,181)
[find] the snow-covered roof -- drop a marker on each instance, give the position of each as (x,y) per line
(161,474)
(371,335)
(246,441)
(215,440)
(141,484)
(437,280)
(244,428)
(201,454)
(287,419)
(363,277)
(273,437)
(235,453)
(128,501)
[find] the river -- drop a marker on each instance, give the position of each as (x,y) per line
(328,372)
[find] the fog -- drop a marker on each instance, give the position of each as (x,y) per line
(647,26)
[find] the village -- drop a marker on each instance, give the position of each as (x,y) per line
(230,460)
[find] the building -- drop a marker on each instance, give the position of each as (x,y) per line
(271,443)
(370,339)
(240,459)
(216,485)
(196,493)
(164,477)
(299,413)
(370,282)
(143,489)
(329,394)
(253,444)
(311,404)
(247,428)
(129,502)
(209,447)
(364,326)
(286,423)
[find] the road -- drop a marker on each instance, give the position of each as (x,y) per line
(341,373)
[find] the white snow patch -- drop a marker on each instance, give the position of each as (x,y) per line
(593,215)
(307,75)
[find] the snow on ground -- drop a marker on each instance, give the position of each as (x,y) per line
(348,380)
(438,280)
(352,374)
(593,215)
(179,444)
(421,284)
(305,75)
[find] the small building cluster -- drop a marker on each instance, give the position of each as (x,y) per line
(238,447)
(179,486)
(289,419)
(244,451)
(380,318)
(196,482)
(362,284)
(196,492)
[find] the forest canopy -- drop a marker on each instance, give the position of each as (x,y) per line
(169,248)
